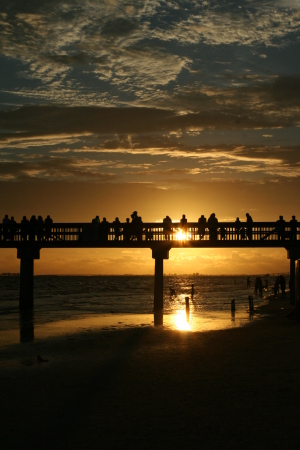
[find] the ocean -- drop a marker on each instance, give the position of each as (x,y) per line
(71,304)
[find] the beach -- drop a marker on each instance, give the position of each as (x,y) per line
(144,388)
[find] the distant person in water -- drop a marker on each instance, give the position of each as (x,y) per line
(282,285)
(248,282)
(192,292)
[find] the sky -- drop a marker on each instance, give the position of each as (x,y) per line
(164,107)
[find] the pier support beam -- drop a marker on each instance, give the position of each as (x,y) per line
(292,282)
(27,254)
(293,255)
(159,254)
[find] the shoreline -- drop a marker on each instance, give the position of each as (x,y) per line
(148,388)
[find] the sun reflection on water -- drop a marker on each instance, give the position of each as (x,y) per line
(181,320)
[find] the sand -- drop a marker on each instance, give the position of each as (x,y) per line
(150,388)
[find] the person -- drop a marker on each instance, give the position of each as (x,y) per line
(258,286)
(167,227)
(293,226)
(32,228)
(104,229)
(223,233)
(48,227)
(248,282)
(136,226)
(276,287)
(6,223)
(172,292)
(192,292)
(212,225)
(183,223)
(40,228)
(249,226)
(96,220)
(12,228)
(127,230)
(280,228)
(282,285)
(24,228)
(117,228)
(266,285)
(201,226)
(237,225)
(243,233)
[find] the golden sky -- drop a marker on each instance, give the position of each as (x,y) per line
(186,107)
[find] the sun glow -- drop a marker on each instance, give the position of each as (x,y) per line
(181,320)
(181,235)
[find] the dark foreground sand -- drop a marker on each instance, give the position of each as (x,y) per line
(155,389)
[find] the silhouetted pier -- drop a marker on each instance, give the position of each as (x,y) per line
(159,237)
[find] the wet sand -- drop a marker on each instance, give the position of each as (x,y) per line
(152,388)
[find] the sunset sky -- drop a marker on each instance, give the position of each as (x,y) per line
(164,107)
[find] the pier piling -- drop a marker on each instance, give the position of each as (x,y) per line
(27,255)
(159,254)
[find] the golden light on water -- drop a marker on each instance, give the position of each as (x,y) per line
(181,321)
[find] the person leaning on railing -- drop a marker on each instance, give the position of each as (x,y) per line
(293,226)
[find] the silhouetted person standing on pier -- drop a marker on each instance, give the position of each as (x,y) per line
(201,226)
(238,225)
(104,230)
(96,220)
(117,228)
(32,228)
(183,223)
(24,228)
(293,225)
(212,224)
(167,226)
(40,228)
(6,223)
(127,230)
(48,226)
(136,226)
(280,228)
(249,226)
(12,228)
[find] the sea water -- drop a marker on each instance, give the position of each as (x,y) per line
(69,304)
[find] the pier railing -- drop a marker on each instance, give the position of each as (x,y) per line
(144,234)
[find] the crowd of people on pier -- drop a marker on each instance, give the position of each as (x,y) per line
(34,229)
(38,229)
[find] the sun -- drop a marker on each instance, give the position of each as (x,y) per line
(180,235)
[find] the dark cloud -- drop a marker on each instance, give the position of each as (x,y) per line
(119,27)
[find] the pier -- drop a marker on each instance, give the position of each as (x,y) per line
(161,238)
